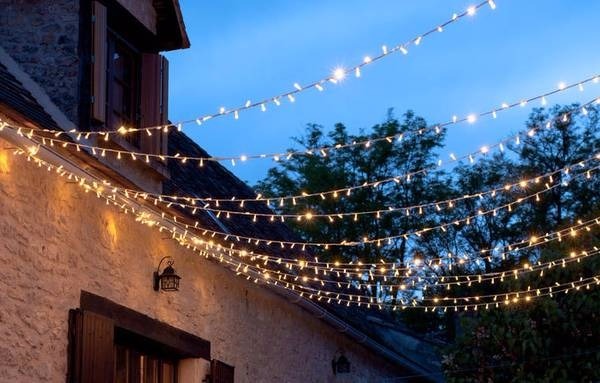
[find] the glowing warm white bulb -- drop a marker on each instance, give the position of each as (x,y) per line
(484,149)
(222,110)
(471,10)
(367,59)
(471,118)
(562,85)
(243,157)
(492,4)
(339,74)
(33,150)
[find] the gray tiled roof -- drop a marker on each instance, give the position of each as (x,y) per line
(15,97)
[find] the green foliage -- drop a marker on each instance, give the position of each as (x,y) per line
(548,340)
(551,339)
(355,166)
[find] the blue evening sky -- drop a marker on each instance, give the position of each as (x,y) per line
(255,49)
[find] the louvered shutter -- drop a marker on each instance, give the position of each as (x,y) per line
(164,104)
(99,60)
(154,101)
(221,372)
(91,348)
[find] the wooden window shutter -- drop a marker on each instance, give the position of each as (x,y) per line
(221,372)
(164,104)
(91,348)
(99,60)
(150,103)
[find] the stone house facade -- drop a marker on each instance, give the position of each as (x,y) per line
(76,282)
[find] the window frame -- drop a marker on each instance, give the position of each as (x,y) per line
(115,42)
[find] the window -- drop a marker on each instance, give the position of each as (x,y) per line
(110,343)
(133,366)
(123,72)
(129,85)
(221,372)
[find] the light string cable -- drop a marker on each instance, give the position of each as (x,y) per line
(78,136)
(59,170)
(30,133)
(457,303)
(392,273)
(421,208)
(335,77)
(350,269)
(357,268)
(338,297)
(531,242)
(236,238)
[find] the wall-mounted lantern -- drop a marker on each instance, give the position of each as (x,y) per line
(340,365)
(168,280)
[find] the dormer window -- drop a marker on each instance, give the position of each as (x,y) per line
(129,81)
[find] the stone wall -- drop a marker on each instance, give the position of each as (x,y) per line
(42,35)
(56,240)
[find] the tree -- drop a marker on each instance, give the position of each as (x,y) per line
(403,157)
(552,339)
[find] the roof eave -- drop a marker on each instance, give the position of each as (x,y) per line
(171,29)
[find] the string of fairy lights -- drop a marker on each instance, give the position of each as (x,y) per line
(339,297)
(335,77)
(54,136)
(335,193)
(532,242)
(420,209)
(550,184)
(357,299)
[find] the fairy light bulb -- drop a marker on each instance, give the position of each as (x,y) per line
(471,118)
(471,10)
(339,74)
(561,85)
